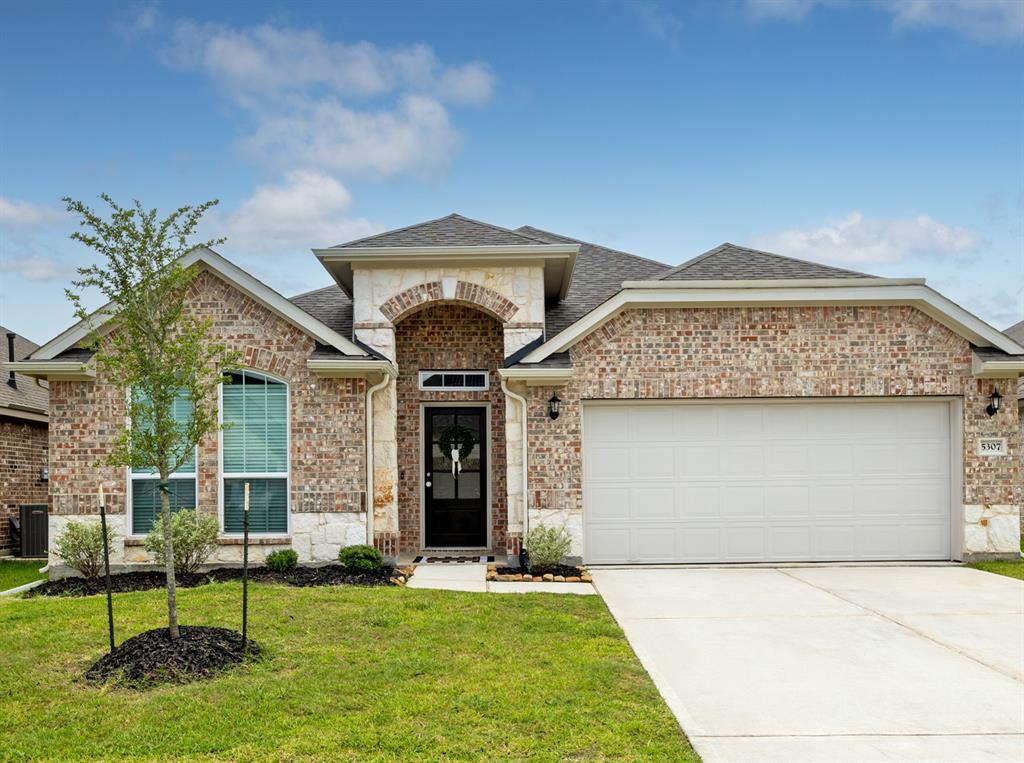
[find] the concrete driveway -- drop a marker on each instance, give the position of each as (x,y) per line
(832,663)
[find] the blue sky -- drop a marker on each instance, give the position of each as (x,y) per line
(886,137)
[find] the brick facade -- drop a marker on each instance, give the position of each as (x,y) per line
(23,445)
(679,353)
(438,337)
(327,423)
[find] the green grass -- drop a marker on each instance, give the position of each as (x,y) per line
(14,573)
(1013,568)
(350,674)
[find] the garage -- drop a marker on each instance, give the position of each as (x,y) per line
(767,481)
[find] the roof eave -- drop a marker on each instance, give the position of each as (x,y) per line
(56,370)
(537,377)
(350,368)
(996,369)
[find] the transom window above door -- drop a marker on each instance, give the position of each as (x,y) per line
(453,381)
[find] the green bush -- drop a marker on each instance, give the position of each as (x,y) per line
(361,559)
(195,538)
(547,545)
(282,560)
(81,546)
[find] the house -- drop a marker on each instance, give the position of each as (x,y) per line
(460,383)
(23,438)
(1016,333)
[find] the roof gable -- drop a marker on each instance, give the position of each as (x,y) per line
(28,395)
(729,262)
(452,230)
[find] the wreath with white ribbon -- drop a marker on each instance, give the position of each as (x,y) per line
(456,442)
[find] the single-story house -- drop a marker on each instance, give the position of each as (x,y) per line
(23,440)
(740,407)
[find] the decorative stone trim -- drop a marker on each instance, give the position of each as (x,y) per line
(487,299)
(410,298)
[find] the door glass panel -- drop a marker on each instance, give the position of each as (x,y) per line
(471,421)
(441,461)
(472,460)
(444,485)
(469,485)
(441,421)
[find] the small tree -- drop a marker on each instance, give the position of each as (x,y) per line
(156,351)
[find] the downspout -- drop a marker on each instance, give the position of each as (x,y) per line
(369,455)
(526,488)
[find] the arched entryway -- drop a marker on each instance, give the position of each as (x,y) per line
(467,509)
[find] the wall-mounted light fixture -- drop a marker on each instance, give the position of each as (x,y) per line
(553,405)
(993,406)
(44,474)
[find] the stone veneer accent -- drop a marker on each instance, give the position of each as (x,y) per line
(327,437)
(24,445)
(750,352)
(446,336)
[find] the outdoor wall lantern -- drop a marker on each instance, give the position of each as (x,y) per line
(993,407)
(553,405)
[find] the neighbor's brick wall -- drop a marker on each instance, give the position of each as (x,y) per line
(438,337)
(22,456)
(769,352)
(327,418)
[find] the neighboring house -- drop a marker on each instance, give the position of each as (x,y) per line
(740,407)
(23,423)
(1016,333)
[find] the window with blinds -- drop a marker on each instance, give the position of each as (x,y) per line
(255,450)
(145,487)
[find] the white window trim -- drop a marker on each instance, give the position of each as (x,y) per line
(131,476)
(287,474)
(424,374)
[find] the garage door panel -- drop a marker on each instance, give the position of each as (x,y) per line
(767,481)
(606,463)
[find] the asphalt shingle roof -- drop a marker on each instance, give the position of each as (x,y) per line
(598,276)
(729,262)
(329,305)
(29,393)
(453,230)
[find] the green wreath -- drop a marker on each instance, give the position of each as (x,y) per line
(456,434)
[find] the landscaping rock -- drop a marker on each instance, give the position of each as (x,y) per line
(527,577)
(549,578)
(559,579)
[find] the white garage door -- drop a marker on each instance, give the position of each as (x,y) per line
(775,481)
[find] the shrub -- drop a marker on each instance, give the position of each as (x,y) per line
(81,547)
(361,559)
(195,538)
(282,560)
(547,545)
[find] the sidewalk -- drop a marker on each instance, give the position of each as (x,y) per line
(472,577)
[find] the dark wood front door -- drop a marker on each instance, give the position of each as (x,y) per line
(454,505)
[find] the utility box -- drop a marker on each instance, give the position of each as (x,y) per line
(34,529)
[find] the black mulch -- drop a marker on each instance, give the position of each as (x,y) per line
(559,569)
(152,657)
(333,574)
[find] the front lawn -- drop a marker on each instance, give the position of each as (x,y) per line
(1013,568)
(350,674)
(16,572)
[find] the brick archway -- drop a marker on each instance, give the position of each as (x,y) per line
(412,299)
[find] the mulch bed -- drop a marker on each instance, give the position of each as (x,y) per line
(560,573)
(152,657)
(333,574)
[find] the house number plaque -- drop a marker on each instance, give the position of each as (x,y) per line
(992,446)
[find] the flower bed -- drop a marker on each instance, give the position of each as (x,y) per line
(558,574)
(332,574)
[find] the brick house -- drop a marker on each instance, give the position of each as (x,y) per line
(1016,333)
(460,383)
(23,435)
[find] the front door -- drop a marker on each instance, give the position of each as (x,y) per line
(455,499)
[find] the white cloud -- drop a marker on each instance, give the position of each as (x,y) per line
(857,239)
(253,62)
(139,20)
(985,21)
(37,268)
(414,137)
(308,209)
(657,21)
(23,214)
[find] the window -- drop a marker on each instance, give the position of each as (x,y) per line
(453,381)
(254,449)
(145,488)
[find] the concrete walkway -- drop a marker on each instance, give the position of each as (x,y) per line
(832,663)
(472,577)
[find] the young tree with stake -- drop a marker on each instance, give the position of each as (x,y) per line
(155,351)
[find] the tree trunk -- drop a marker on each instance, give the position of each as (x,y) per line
(172,597)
